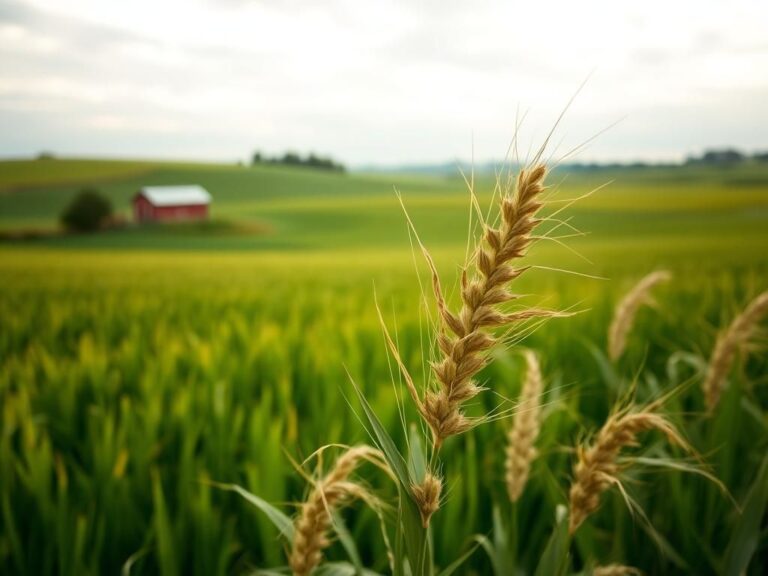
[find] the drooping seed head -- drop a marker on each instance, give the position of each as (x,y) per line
(626,310)
(312,526)
(597,467)
(729,342)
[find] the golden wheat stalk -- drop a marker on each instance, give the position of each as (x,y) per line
(464,338)
(597,467)
(624,315)
(525,429)
(616,570)
(735,337)
(312,526)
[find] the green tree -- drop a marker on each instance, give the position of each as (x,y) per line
(88,211)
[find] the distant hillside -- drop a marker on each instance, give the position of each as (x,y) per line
(720,158)
(27,174)
(33,193)
(281,208)
(489,168)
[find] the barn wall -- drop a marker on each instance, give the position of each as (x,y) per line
(181,212)
(144,211)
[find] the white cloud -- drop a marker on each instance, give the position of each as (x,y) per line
(385,81)
(19,39)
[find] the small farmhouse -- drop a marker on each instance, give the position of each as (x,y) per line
(171,203)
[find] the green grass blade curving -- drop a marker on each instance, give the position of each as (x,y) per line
(746,533)
(280,520)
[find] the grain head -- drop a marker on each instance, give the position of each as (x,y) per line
(465,338)
(729,342)
(524,431)
(597,467)
(426,494)
(313,525)
(624,315)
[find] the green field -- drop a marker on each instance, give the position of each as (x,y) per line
(276,208)
(140,365)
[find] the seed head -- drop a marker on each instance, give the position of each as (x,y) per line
(597,467)
(427,496)
(729,342)
(525,429)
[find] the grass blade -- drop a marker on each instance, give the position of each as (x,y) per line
(164,531)
(348,543)
(456,564)
(280,520)
(554,560)
(414,534)
(746,533)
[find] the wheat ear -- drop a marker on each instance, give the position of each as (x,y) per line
(312,526)
(427,496)
(616,570)
(525,429)
(624,315)
(728,342)
(597,466)
(463,338)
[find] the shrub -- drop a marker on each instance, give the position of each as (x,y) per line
(88,211)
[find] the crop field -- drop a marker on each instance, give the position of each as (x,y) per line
(145,369)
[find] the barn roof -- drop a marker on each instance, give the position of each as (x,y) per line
(176,195)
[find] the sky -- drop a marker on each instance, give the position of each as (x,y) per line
(401,82)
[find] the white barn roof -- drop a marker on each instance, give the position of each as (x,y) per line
(176,195)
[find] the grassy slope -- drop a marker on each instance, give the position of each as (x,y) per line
(238,192)
(695,209)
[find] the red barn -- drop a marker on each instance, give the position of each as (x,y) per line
(171,203)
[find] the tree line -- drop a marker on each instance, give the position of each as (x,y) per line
(727,157)
(311,160)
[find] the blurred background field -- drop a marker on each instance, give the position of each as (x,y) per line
(140,364)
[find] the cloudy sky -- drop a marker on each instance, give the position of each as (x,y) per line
(380,82)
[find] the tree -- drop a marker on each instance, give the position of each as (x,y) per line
(291,159)
(88,211)
(726,156)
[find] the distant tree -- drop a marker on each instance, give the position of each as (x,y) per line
(294,159)
(323,163)
(314,161)
(720,157)
(728,156)
(88,211)
(761,157)
(45,155)
(291,159)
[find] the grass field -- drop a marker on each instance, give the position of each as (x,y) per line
(141,365)
(271,207)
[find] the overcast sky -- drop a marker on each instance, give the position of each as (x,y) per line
(379,82)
